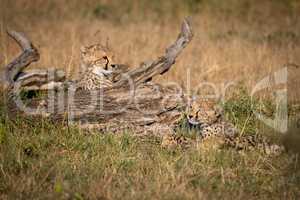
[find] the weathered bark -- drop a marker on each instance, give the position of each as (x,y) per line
(150,69)
(132,102)
(29,55)
(41,79)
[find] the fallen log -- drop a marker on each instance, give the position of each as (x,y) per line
(30,54)
(133,102)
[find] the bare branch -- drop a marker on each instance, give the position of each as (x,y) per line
(150,69)
(30,54)
(40,79)
(21,39)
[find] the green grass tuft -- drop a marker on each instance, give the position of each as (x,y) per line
(239,109)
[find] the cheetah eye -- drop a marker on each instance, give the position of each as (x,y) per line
(105,57)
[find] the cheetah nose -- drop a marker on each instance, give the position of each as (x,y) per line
(113,65)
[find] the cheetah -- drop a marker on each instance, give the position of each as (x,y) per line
(99,69)
(205,117)
(172,141)
(95,63)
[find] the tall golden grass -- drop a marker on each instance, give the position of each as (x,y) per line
(235,41)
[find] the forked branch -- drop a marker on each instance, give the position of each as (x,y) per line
(29,55)
(148,70)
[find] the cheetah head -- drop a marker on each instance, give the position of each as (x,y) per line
(202,111)
(97,55)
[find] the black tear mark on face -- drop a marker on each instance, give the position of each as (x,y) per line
(107,62)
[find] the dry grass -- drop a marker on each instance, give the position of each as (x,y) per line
(230,45)
(237,42)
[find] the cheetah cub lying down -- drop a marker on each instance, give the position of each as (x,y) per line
(205,118)
(99,69)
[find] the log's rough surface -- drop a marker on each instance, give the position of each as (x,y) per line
(150,69)
(40,79)
(133,102)
(14,76)
(30,54)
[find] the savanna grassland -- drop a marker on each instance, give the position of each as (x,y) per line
(236,43)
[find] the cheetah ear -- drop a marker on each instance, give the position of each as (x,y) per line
(83,49)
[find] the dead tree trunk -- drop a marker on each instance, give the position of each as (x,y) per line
(14,76)
(133,102)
